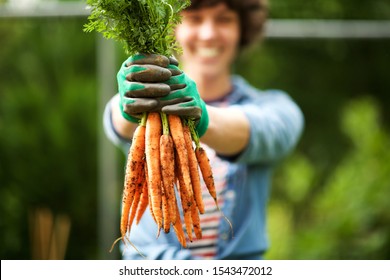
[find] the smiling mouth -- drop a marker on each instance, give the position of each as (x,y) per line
(208,52)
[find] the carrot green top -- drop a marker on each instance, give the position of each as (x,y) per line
(143,26)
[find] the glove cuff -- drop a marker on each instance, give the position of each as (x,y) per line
(203,123)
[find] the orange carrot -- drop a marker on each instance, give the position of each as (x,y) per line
(177,226)
(143,202)
(148,192)
(167,172)
(134,166)
(207,174)
(167,159)
(205,168)
(196,221)
(150,207)
(193,167)
(152,152)
(165,211)
(186,202)
(176,129)
(136,200)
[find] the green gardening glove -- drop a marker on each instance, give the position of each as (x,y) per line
(184,99)
(140,83)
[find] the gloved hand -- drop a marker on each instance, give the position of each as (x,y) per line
(155,83)
(140,82)
(184,99)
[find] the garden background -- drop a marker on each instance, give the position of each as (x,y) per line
(330,198)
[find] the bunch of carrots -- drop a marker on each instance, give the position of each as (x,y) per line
(163,163)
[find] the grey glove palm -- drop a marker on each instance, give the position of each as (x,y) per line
(140,82)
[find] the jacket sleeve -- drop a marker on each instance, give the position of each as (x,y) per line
(276,124)
(110,131)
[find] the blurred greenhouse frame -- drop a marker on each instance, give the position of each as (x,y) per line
(354,174)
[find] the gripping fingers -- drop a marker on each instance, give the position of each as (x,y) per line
(155,59)
(192,112)
(147,73)
(174,70)
(140,105)
(150,90)
(174,61)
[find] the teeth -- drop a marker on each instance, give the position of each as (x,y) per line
(208,52)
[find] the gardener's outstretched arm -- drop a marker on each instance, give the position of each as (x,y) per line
(228,130)
(123,127)
(155,83)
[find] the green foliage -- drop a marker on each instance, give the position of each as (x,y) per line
(354,203)
(347,218)
(48,132)
(143,26)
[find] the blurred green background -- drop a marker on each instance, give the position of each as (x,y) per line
(330,198)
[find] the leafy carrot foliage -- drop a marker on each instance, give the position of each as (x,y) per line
(143,26)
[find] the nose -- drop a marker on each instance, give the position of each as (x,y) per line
(208,30)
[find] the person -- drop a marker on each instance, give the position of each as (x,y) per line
(246,131)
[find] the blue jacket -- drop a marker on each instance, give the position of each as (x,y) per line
(276,125)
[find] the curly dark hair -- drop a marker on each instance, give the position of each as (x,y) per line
(252,13)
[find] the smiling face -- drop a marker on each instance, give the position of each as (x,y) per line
(209,37)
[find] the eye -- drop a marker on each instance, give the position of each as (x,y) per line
(227,18)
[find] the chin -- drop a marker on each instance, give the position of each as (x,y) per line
(209,74)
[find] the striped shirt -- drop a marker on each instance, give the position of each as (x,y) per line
(206,248)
